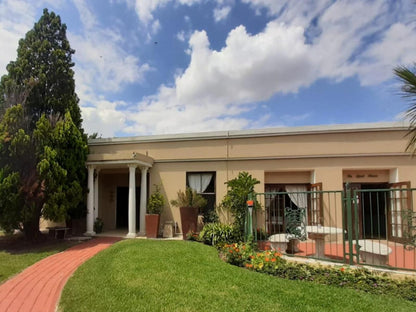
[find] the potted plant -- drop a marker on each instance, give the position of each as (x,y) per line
(98,225)
(189,203)
(155,207)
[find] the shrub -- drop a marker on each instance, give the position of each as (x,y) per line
(98,225)
(217,234)
(156,202)
(192,236)
(235,200)
(189,198)
(237,254)
(362,279)
(210,215)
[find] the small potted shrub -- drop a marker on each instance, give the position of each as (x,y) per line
(155,207)
(98,225)
(189,203)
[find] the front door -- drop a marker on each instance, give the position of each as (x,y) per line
(122,209)
(368,210)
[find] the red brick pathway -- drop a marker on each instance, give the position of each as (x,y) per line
(39,287)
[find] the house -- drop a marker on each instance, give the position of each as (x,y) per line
(122,171)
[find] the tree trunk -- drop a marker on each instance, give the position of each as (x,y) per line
(31,226)
(31,231)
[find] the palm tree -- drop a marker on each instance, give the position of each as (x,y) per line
(408,78)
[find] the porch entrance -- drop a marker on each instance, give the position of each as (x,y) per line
(122,208)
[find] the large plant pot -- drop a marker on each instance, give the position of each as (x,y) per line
(189,220)
(152,225)
(77,226)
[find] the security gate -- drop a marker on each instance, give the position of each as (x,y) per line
(361,224)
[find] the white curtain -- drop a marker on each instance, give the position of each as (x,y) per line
(199,181)
(298,195)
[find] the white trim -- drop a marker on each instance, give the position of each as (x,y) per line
(120,163)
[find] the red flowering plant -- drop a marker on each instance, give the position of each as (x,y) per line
(267,261)
(237,253)
(245,256)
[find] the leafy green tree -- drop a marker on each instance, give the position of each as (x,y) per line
(408,78)
(42,145)
(235,200)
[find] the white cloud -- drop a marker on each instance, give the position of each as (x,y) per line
(340,32)
(181,36)
(88,19)
(156,26)
(145,8)
(304,43)
(101,61)
(102,67)
(16,18)
(396,47)
(218,86)
(249,68)
(221,13)
(97,118)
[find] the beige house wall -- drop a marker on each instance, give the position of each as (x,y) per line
(330,156)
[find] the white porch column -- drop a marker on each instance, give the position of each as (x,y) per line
(143,200)
(97,172)
(132,201)
(90,202)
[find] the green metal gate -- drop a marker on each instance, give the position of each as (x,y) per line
(367,225)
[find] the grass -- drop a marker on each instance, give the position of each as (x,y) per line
(148,275)
(16,259)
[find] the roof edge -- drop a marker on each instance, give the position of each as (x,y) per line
(215,135)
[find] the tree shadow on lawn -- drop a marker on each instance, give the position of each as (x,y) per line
(17,244)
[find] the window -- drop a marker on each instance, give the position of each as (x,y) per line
(204,184)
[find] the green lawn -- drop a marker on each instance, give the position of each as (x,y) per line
(15,261)
(149,275)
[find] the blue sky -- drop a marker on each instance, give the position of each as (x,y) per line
(172,66)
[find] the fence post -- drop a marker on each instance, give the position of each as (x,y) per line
(249,218)
(348,200)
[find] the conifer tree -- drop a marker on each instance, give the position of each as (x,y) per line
(43,147)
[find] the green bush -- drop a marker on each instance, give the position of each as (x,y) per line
(237,254)
(210,215)
(217,234)
(98,225)
(189,198)
(156,202)
(235,200)
(271,262)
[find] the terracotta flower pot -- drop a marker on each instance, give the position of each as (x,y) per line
(152,225)
(189,219)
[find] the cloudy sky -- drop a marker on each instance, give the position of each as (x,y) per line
(171,66)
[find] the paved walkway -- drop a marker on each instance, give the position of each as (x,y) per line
(39,287)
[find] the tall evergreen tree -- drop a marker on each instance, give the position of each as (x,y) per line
(42,145)
(43,66)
